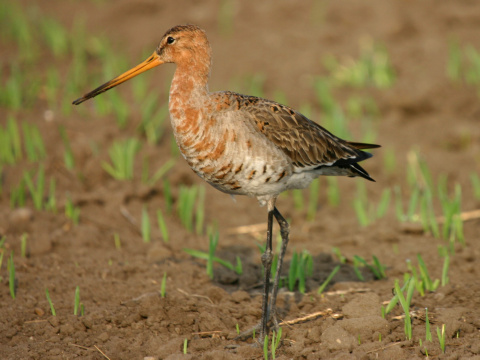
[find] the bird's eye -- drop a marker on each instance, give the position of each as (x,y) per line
(170,40)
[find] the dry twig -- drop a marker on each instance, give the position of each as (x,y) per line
(101,352)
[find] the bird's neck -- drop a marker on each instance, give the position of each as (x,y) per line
(189,85)
(189,98)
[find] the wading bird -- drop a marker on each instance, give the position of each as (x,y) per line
(244,145)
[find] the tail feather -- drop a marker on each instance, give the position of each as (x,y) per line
(361,146)
(359,171)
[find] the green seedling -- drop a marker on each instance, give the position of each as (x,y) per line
(377,268)
(12,148)
(167,194)
(52,84)
(116,239)
(68,157)
(33,141)
(390,161)
(361,212)
(186,204)
(18,195)
(185,346)
(356,269)
(313,199)
(237,328)
(140,87)
(23,245)
(162,225)
(276,337)
(122,155)
(152,121)
(11,276)
(163,286)
(428,333)
(427,215)
(55,36)
(298,201)
(333,191)
(399,203)
(154,127)
(454,64)
(425,276)
(280,97)
(146,226)
(450,207)
(301,266)
(121,110)
(405,303)
(255,84)
(372,68)
(226,17)
(12,95)
(206,256)
(472,73)
(394,301)
(52,309)
(265,347)
(160,173)
(446,264)
(71,211)
(339,255)
(200,211)
(328,279)
(76,305)
(419,285)
(187,199)
(475,179)
(441,337)
(324,95)
(51,203)
(36,190)
(212,248)
(384,203)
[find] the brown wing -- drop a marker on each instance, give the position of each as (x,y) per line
(304,141)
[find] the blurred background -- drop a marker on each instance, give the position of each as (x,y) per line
(97,194)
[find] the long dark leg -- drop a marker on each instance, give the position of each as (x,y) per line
(267,264)
(284,231)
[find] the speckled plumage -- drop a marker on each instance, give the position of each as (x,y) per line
(243,145)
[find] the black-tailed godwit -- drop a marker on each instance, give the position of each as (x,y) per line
(244,145)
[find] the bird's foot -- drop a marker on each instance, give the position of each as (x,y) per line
(255,331)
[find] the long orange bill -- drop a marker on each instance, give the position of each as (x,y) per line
(151,62)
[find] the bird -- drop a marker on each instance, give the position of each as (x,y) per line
(244,145)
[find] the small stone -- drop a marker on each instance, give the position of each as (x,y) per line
(103,337)
(362,305)
(53,321)
(240,296)
(336,338)
(39,311)
(21,215)
(66,329)
(11,332)
(87,322)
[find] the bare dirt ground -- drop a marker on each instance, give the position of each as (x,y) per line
(125,317)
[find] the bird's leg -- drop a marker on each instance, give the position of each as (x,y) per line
(267,264)
(284,231)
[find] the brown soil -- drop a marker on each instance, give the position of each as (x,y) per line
(126,318)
